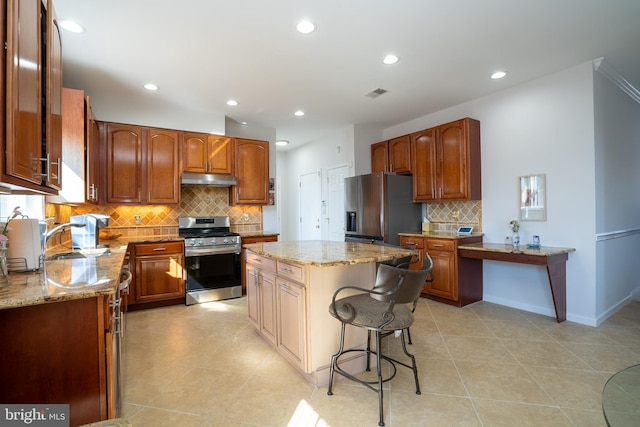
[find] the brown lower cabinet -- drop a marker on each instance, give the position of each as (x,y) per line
(59,353)
(455,281)
(246,241)
(158,274)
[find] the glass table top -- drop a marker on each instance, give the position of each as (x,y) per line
(621,398)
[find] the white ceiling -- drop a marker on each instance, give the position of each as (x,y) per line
(203,52)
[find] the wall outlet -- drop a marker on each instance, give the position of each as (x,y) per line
(246,217)
(137,219)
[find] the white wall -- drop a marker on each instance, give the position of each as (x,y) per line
(364,136)
(617,142)
(156,115)
(320,154)
(544,126)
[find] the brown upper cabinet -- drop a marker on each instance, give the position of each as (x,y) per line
(392,156)
(74,129)
(205,153)
(252,173)
(142,165)
(53,122)
(33,127)
(92,147)
(446,162)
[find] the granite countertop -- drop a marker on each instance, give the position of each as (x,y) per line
(441,234)
(326,254)
(68,279)
(522,249)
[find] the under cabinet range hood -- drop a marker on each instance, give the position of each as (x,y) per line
(208,179)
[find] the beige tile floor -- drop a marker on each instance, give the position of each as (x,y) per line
(481,365)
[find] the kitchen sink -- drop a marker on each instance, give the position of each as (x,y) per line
(89,253)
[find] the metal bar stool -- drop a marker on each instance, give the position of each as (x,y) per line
(383,309)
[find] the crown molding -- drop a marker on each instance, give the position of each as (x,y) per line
(603,67)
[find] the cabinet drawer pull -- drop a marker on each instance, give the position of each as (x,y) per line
(258,260)
(407,243)
(159,249)
(438,245)
(284,286)
(286,270)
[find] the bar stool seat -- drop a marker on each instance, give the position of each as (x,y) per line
(383,309)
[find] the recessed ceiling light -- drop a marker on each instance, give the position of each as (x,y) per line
(299,113)
(282,142)
(71,26)
(498,75)
(390,59)
(305,27)
(232,102)
(150,86)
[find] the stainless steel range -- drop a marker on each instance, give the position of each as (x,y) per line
(212,258)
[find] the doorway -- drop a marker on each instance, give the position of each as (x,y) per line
(310,206)
(335,202)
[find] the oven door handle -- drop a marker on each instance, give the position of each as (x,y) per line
(189,252)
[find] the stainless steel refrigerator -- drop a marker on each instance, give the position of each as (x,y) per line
(379,206)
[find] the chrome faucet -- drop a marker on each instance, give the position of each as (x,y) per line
(54,230)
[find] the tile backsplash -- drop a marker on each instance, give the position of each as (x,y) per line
(448,216)
(158,220)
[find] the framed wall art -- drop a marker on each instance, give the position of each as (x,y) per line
(533,204)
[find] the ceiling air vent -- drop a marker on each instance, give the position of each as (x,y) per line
(376,93)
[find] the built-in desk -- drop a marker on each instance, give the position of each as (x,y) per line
(554,259)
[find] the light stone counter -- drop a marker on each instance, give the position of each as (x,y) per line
(63,280)
(321,253)
(441,234)
(290,286)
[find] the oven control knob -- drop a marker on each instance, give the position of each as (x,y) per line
(213,241)
(225,240)
(192,242)
(200,242)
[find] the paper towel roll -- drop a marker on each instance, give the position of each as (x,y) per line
(25,247)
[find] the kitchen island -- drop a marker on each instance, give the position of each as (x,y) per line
(289,289)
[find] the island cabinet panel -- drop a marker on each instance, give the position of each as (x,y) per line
(248,241)
(291,341)
(252,173)
(449,284)
(253,294)
(306,335)
(268,321)
(55,353)
(446,162)
(261,296)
